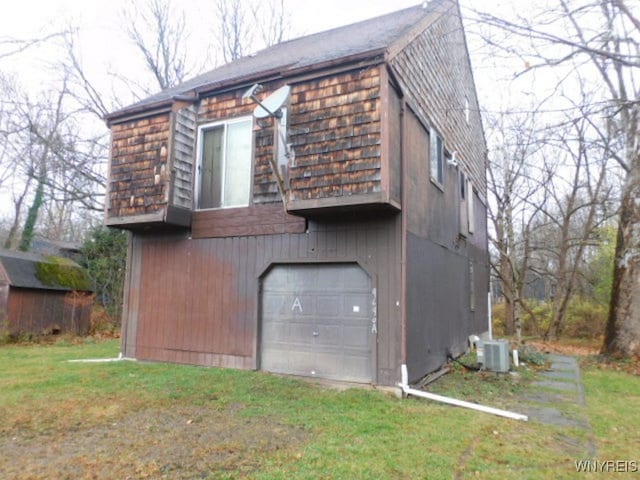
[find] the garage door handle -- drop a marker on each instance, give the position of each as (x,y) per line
(315,334)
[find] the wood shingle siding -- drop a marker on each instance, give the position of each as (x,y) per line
(335,132)
(183,153)
(435,75)
(139,154)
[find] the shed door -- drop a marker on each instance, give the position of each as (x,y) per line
(318,320)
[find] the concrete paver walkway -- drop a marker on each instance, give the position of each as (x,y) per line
(558,399)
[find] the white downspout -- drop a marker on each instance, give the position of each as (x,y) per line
(452,401)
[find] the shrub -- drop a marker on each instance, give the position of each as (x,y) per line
(102,324)
(585,319)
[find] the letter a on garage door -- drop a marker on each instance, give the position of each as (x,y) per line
(317,321)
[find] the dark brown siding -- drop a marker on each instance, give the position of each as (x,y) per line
(43,311)
(394,126)
(254,220)
(439,314)
(138,178)
(198,298)
(435,75)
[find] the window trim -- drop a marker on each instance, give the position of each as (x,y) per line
(471,216)
(198,171)
(434,136)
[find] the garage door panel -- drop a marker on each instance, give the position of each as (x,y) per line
(356,336)
(275,304)
(357,305)
(275,332)
(353,368)
(355,278)
(330,335)
(329,305)
(316,321)
(301,334)
(301,362)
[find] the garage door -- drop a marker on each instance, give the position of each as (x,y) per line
(318,320)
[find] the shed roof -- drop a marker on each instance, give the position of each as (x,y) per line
(364,39)
(30,270)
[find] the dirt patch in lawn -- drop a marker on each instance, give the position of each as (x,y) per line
(181,442)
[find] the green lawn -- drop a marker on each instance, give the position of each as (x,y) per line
(145,420)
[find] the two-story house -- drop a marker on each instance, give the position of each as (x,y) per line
(339,234)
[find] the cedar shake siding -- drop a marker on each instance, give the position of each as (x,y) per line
(333,126)
(138,184)
(435,75)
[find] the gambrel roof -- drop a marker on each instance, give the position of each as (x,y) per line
(376,37)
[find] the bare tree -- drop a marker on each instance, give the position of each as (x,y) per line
(159,34)
(245,26)
(236,32)
(579,208)
(514,185)
(10,46)
(599,39)
(271,20)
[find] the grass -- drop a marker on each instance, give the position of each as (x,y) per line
(146,420)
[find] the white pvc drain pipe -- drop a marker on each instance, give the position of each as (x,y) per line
(120,358)
(453,401)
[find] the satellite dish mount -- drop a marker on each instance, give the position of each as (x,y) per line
(272,106)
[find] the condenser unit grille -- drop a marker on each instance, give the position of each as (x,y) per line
(496,355)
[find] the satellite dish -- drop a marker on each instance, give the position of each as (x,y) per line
(271,105)
(255,88)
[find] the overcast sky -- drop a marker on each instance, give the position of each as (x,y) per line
(104,48)
(103,42)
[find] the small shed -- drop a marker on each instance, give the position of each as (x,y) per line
(43,295)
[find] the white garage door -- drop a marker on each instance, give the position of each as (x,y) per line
(318,320)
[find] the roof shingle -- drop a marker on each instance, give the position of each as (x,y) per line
(23,271)
(371,36)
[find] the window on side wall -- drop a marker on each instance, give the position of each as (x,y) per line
(436,157)
(224,164)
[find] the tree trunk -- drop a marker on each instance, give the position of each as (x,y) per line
(622,335)
(32,216)
(517,321)
(507,292)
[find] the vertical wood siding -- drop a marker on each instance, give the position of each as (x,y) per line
(42,311)
(439,317)
(198,298)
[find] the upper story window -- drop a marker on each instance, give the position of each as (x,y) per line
(437,157)
(224,164)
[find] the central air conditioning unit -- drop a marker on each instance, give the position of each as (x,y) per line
(496,355)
